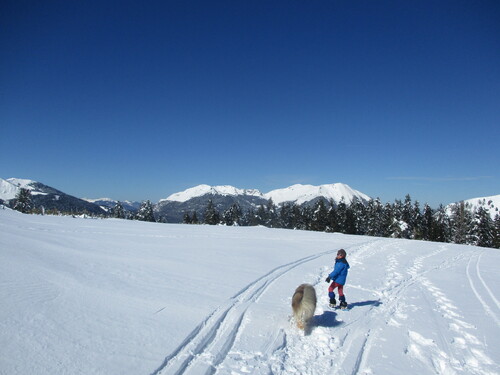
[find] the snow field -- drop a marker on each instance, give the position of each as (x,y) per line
(120,297)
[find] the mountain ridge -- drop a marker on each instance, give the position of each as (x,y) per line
(173,208)
(195,198)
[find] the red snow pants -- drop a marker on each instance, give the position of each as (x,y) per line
(339,286)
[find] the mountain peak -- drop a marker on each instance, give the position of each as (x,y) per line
(300,194)
(201,190)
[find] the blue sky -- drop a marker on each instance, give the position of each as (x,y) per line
(138,100)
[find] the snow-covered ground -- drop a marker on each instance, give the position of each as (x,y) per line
(84,296)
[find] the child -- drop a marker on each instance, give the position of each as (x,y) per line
(338,277)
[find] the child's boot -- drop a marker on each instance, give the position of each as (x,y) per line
(343,303)
(333,303)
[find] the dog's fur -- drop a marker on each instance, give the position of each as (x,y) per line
(304,305)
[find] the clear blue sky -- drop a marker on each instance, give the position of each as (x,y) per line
(141,99)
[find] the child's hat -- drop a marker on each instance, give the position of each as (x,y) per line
(342,252)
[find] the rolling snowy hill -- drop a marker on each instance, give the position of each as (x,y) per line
(87,296)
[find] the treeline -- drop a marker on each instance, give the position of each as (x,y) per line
(401,219)
(459,224)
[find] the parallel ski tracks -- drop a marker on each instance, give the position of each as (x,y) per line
(490,311)
(209,343)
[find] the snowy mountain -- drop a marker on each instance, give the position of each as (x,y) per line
(173,208)
(46,196)
(107,204)
(196,198)
(491,203)
(127,297)
(300,194)
(8,190)
(202,190)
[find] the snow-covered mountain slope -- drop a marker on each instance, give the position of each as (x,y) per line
(300,194)
(126,297)
(108,203)
(46,196)
(202,190)
(491,203)
(8,190)
(173,208)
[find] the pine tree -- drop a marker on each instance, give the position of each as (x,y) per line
(187,219)
(416,221)
(407,218)
(399,226)
(249,218)
(194,218)
(23,202)
(496,231)
(145,212)
(461,220)
(350,220)
(285,216)
(261,215)
(333,221)
(211,216)
(232,216)
(319,220)
(297,220)
(483,228)
(360,217)
(441,231)
(375,218)
(118,212)
(342,216)
(388,221)
(427,226)
(272,214)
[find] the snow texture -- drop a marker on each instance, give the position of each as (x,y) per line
(87,296)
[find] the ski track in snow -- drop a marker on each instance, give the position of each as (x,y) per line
(481,298)
(341,342)
(209,344)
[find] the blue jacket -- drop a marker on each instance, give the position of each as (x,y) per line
(339,273)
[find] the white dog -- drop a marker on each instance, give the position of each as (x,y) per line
(304,305)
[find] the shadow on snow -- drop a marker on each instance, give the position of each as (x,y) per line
(364,303)
(328,318)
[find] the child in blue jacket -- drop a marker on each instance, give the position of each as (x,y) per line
(338,278)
